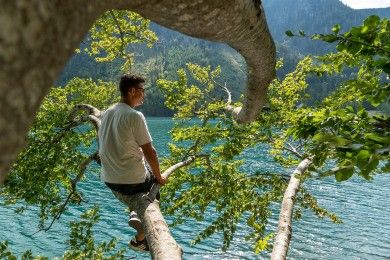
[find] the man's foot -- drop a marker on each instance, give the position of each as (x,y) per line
(141,246)
(135,222)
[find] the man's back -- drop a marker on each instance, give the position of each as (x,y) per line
(122,132)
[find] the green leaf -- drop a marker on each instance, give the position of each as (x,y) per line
(330,38)
(362,158)
(289,33)
(372,163)
(336,28)
(379,139)
(343,173)
(355,31)
(372,21)
(330,138)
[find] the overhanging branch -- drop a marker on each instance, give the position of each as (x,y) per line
(151,195)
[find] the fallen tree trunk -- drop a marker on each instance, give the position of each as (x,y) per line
(282,240)
(38,37)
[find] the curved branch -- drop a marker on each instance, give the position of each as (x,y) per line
(120,31)
(94,116)
(84,107)
(235,111)
(93,119)
(282,240)
(229,101)
(151,195)
(243,28)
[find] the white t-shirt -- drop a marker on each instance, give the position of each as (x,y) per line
(123,130)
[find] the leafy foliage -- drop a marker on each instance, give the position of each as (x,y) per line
(218,182)
(43,172)
(370,41)
(338,130)
(112,34)
(82,243)
(341,127)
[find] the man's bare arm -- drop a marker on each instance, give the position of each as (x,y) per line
(151,157)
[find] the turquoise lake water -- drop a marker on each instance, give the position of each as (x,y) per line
(363,206)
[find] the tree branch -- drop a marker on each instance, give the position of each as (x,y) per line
(93,115)
(282,240)
(83,167)
(380,48)
(229,108)
(151,195)
(161,243)
(86,107)
(93,119)
(120,31)
(293,150)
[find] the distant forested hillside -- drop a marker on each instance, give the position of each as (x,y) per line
(312,16)
(173,50)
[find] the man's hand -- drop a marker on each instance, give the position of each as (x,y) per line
(162,180)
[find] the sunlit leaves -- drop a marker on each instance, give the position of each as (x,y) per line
(82,243)
(305,200)
(43,171)
(341,126)
(285,95)
(192,101)
(112,34)
(339,130)
(216,181)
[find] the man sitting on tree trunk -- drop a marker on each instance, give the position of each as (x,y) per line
(124,144)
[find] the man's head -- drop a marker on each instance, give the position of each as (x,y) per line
(132,89)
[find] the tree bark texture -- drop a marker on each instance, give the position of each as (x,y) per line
(282,240)
(37,37)
(161,243)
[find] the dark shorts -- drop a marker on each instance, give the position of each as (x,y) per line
(131,189)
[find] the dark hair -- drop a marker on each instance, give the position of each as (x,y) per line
(129,81)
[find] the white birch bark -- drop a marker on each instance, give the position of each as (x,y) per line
(161,243)
(282,239)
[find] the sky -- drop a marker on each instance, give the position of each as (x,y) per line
(361,4)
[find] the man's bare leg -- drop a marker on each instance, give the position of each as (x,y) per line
(135,223)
